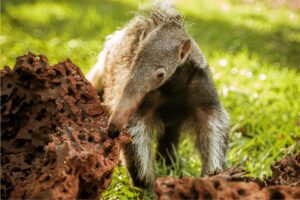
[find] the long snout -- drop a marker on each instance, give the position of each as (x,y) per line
(121,115)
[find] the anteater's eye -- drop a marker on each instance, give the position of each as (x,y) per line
(160,73)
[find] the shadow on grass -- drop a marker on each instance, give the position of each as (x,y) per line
(93,20)
(273,47)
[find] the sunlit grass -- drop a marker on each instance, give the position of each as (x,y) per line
(253,52)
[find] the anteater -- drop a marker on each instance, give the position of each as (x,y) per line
(157,84)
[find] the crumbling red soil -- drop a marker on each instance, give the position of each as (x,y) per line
(285,171)
(231,184)
(54,143)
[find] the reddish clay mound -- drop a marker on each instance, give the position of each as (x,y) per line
(54,143)
(283,184)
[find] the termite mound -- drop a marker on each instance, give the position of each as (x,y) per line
(54,143)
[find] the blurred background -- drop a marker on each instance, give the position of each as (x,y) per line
(252,46)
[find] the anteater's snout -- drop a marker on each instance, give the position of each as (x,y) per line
(120,116)
(113,131)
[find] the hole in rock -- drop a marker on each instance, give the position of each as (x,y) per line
(19,143)
(217,185)
(276,195)
(90,139)
(41,114)
(207,195)
(241,192)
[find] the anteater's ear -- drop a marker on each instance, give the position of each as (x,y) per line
(184,50)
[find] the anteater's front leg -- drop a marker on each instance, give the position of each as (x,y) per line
(138,155)
(211,138)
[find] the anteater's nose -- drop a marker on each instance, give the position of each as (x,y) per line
(113,131)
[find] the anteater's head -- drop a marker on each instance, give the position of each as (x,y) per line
(160,53)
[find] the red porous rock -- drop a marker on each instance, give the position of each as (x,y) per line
(219,187)
(54,143)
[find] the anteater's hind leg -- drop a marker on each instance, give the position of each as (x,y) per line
(211,138)
(168,144)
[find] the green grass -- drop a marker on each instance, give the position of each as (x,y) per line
(253,51)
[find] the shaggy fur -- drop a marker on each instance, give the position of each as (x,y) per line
(156,80)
